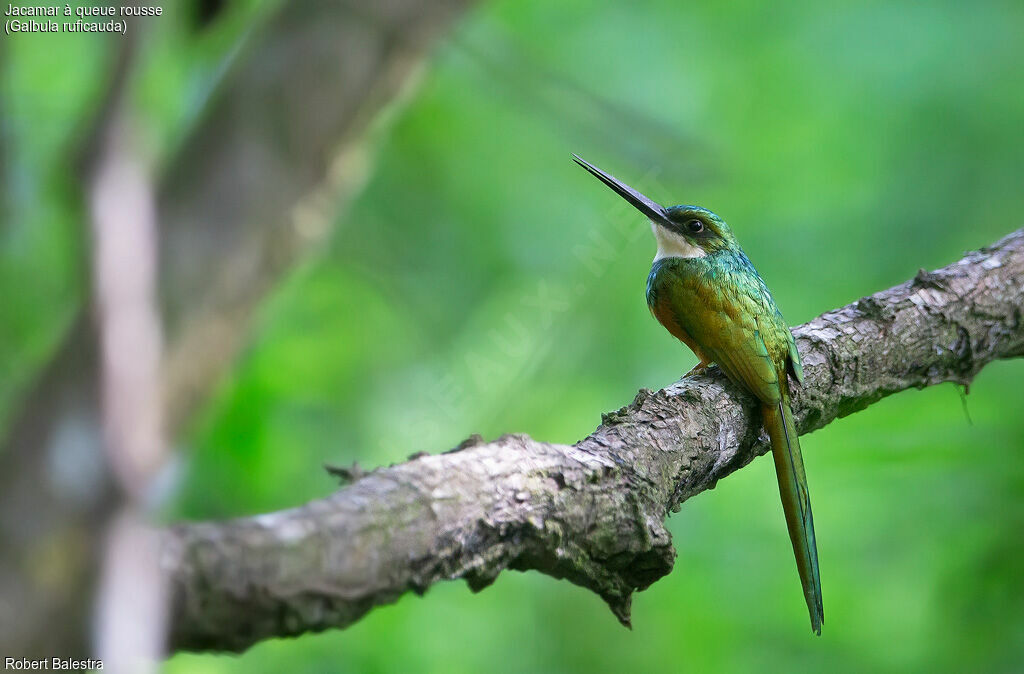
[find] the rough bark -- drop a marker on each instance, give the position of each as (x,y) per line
(592,513)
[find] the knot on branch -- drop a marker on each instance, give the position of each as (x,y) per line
(567,513)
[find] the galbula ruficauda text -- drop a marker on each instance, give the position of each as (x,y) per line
(704,290)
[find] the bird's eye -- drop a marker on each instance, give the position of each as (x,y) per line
(694,226)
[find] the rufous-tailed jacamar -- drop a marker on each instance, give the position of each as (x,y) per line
(705,292)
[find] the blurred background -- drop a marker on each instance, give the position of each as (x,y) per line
(446,269)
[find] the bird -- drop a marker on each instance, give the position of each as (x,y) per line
(705,291)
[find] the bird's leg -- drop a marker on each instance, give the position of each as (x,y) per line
(698,368)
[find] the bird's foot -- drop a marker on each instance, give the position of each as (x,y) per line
(697,369)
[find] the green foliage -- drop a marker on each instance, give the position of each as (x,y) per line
(484,283)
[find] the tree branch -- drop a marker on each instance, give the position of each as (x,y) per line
(279,150)
(592,513)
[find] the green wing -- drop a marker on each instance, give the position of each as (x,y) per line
(740,328)
(795,366)
(726,324)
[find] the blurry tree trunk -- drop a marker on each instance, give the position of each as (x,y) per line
(279,151)
(594,512)
(131,606)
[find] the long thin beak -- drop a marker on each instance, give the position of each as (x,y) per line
(651,209)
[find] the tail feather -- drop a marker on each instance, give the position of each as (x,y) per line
(789,468)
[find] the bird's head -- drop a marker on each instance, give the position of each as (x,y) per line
(681,231)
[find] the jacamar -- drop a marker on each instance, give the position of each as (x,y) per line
(704,290)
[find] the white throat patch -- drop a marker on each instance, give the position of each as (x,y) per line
(671,244)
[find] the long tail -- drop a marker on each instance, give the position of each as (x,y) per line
(789,468)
